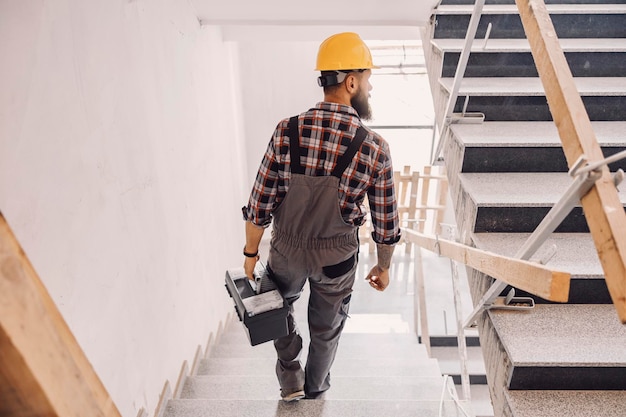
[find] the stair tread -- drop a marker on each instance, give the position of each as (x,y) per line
(562,336)
(532,86)
(480,399)
(450,364)
(522,45)
(308,408)
(518,189)
(566,403)
(552,9)
(226,387)
(343,366)
(266,350)
(576,252)
(526,133)
(236,333)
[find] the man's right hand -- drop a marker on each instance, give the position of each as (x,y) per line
(248,266)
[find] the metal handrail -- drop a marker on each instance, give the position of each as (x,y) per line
(458,76)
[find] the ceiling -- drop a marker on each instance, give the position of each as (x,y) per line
(296,20)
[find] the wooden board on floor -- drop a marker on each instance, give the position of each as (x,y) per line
(529,276)
(602,207)
(43,370)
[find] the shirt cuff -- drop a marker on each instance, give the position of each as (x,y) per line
(390,241)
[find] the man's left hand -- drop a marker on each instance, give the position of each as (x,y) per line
(378,278)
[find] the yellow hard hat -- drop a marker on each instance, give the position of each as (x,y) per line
(344,51)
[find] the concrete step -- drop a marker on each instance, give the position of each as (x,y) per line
(569,20)
(524,146)
(523,98)
(450,363)
(311,408)
(555,9)
(531,86)
(566,403)
(234,334)
(522,45)
(480,399)
(343,366)
(471,339)
(412,352)
(559,347)
(223,387)
(575,253)
(535,108)
(471,2)
(512,57)
(517,202)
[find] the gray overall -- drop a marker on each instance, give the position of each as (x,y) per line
(311,240)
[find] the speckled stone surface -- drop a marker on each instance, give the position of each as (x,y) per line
(531,86)
(518,189)
(225,387)
(308,408)
(562,335)
(518,134)
(567,403)
(492,9)
(348,348)
(342,367)
(575,252)
(522,45)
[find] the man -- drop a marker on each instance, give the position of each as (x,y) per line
(317,170)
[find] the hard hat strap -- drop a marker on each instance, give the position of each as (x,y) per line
(334,77)
(331,78)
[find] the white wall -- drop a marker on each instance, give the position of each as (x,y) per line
(278,81)
(121,175)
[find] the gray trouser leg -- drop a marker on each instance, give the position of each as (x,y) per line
(328,309)
(288,348)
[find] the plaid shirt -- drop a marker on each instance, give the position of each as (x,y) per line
(325,133)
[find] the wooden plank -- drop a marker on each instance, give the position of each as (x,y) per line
(419,299)
(529,276)
(442,199)
(603,210)
(424,196)
(43,370)
(413,185)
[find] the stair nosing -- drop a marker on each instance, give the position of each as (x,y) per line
(521,45)
(488,9)
(532,86)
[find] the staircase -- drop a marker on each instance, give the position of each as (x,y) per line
(380,369)
(508,171)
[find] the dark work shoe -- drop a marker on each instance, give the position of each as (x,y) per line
(288,397)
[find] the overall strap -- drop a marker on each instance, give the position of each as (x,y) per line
(342,163)
(294,146)
(353,148)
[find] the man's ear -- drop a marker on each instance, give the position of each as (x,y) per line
(352,84)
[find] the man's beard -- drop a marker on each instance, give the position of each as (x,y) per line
(360,103)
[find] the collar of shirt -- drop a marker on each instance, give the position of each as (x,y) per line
(336,107)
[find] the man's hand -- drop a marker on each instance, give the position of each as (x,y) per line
(378,278)
(254,234)
(248,266)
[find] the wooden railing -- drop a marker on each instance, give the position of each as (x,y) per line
(43,370)
(529,276)
(603,210)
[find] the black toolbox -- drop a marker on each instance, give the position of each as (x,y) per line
(264,315)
